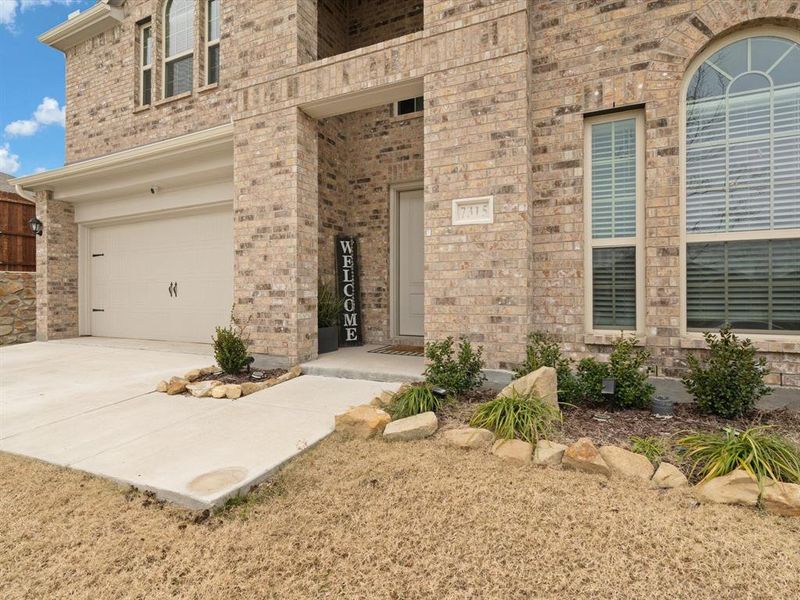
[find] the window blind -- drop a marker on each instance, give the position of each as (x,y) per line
(614,288)
(753,285)
(614,179)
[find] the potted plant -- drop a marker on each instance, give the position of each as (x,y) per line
(328,309)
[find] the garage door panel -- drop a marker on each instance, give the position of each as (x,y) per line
(131,281)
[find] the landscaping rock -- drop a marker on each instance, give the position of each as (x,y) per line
(192,375)
(362,422)
(548,453)
(290,374)
(669,476)
(516,451)
(737,487)
(203,389)
(585,457)
(382,401)
(627,463)
(249,387)
(219,392)
(469,437)
(415,427)
(781,499)
(233,391)
(176,386)
(209,370)
(542,383)
(162,386)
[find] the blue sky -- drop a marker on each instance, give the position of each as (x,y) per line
(32,89)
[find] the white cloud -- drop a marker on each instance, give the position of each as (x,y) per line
(39,170)
(10,8)
(49,112)
(9,163)
(22,128)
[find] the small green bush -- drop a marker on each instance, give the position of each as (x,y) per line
(230,348)
(329,306)
(542,350)
(517,416)
(758,451)
(457,374)
(627,367)
(590,375)
(654,448)
(731,380)
(413,401)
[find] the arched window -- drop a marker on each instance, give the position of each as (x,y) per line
(742,187)
(178,47)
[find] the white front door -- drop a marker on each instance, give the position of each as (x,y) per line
(167,278)
(410,263)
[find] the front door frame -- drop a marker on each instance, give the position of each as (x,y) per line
(394,257)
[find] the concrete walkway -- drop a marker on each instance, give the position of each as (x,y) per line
(90,406)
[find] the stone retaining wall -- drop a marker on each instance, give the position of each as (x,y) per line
(17,307)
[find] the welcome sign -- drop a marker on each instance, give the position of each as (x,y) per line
(347,280)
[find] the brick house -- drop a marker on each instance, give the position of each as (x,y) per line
(506,166)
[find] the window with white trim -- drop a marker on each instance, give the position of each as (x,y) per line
(178,47)
(145,64)
(742,188)
(613,197)
(212,41)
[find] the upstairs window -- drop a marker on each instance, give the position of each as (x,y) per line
(145,64)
(409,106)
(178,47)
(614,207)
(212,41)
(743,188)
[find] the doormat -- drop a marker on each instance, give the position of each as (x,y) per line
(400,350)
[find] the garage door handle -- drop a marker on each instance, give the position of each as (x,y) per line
(170,289)
(176,289)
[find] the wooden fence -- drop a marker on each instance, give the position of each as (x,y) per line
(17,243)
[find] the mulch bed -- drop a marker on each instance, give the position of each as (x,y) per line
(255,376)
(606,426)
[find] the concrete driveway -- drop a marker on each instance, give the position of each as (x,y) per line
(89,405)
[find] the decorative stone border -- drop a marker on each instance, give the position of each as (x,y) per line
(218,389)
(371,420)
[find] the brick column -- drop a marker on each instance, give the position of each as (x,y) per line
(275,232)
(56,270)
(478,277)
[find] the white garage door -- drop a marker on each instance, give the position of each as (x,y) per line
(169,278)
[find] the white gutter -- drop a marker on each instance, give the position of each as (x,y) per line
(21,192)
(83,26)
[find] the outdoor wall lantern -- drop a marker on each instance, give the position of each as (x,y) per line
(36,226)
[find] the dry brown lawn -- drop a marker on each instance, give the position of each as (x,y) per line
(370,520)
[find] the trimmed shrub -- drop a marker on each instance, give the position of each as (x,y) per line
(456,373)
(517,416)
(758,451)
(627,367)
(230,348)
(542,350)
(730,380)
(590,375)
(413,401)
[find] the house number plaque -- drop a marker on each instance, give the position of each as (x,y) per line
(473,211)
(347,283)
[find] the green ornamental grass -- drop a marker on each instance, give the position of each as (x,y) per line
(757,450)
(654,448)
(518,415)
(413,401)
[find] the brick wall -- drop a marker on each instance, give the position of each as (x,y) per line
(17,307)
(589,56)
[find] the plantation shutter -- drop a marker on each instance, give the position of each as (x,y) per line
(614,288)
(614,179)
(753,285)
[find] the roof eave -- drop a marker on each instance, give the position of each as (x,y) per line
(86,25)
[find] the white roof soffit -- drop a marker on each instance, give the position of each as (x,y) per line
(188,160)
(85,25)
(363,99)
